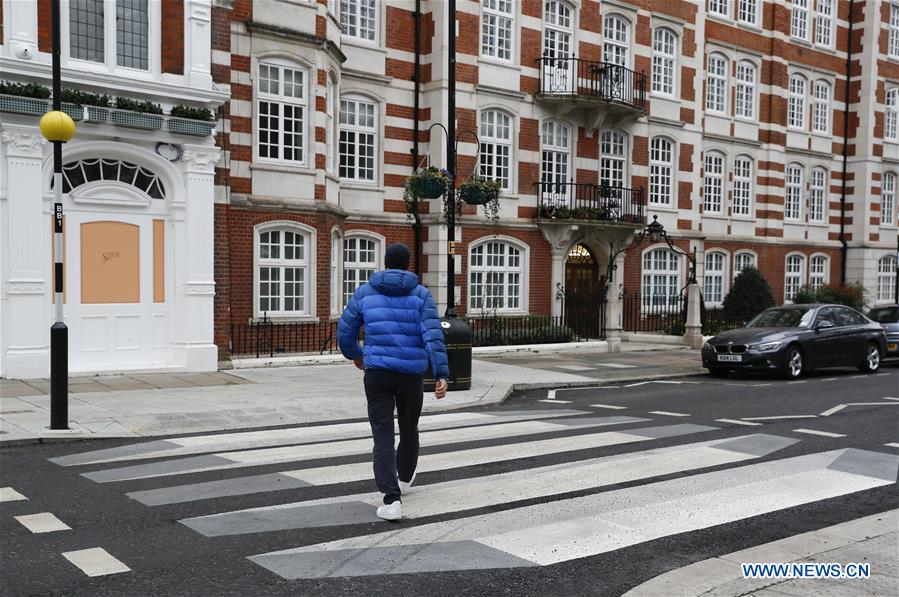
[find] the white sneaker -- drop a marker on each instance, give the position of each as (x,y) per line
(392,511)
(406,487)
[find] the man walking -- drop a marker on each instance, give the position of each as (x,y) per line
(402,331)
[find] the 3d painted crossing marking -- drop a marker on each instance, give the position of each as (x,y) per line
(8,494)
(96,562)
(44,522)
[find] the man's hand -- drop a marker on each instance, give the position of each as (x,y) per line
(360,363)
(440,389)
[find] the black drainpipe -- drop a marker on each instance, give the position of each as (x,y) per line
(416,225)
(844,248)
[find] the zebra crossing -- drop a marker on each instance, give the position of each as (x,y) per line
(501,489)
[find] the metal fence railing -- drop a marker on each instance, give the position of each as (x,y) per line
(658,314)
(715,321)
(606,81)
(269,338)
(507,330)
(584,201)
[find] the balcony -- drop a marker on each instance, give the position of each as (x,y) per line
(570,78)
(560,201)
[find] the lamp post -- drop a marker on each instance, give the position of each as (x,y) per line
(57,127)
(656,232)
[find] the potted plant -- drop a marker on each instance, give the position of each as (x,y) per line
(24,98)
(428,183)
(137,115)
(187,120)
(477,190)
(96,104)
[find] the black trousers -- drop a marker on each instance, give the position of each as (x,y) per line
(386,390)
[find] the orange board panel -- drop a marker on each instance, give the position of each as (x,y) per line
(110,263)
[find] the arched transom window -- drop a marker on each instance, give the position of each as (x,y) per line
(75,174)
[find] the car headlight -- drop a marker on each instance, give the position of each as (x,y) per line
(766,347)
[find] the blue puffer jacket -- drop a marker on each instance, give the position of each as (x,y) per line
(402,328)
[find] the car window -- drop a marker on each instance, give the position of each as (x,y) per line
(826,314)
(857,318)
(846,316)
(884,314)
(782,318)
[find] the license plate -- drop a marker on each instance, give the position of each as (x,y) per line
(892,346)
(730,358)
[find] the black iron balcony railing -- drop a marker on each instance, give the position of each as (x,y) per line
(603,81)
(598,203)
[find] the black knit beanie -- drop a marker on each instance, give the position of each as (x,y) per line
(397,256)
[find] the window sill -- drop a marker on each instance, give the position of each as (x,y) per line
(363,44)
(665,208)
(802,42)
(496,313)
(500,63)
(818,224)
(715,216)
(824,48)
(281,167)
(288,319)
(352,185)
(747,120)
(747,25)
(821,135)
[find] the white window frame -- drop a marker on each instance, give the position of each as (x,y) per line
(748,11)
(793,280)
(484,268)
(744,255)
(746,86)
(824,20)
(614,45)
(720,8)
(794,192)
(818,271)
(893,42)
(888,199)
(563,33)
(283,101)
(797,97)
(891,116)
(555,157)
(886,279)
(821,97)
(330,123)
(716,83)
(799,20)
(664,61)
(110,50)
(714,183)
(307,263)
(818,195)
(497,17)
(666,279)
(612,162)
(713,275)
(336,267)
(661,172)
(351,10)
(743,187)
(358,130)
(377,242)
(496,135)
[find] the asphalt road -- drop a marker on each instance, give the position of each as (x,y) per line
(488,494)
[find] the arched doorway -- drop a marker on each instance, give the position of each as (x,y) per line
(584,293)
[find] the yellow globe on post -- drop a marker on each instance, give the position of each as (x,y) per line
(57,126)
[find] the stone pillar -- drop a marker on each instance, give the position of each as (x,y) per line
(693,333)
(198,43)
(25,241)
(613,306)
(20,29)
(434,250)
(559,237)
(194,246)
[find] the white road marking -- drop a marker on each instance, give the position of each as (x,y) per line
(574,367)
(892,445)
(616,365)
(737,422)
(792,383)
(873,404)
(554,401)
(551,395)
(780,417)
(666,413)
(821,433)
(639,383)
(95,561)
(890,398)
(45,522)
(612,406)
(833,410)
(582,388)
(831,379)
(8,494)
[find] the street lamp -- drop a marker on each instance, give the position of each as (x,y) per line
(656,232)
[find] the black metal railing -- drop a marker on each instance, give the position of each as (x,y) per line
(581,201)
(715,321)
(665,314)
(604,81)
(269,338)
(508,330)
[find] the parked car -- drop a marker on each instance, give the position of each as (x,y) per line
(792,339)
(888,317)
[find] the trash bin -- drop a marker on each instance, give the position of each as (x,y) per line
(457,335)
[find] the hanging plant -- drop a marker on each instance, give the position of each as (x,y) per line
(427,183)
(477,190)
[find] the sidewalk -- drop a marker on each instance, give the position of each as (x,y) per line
(163,404)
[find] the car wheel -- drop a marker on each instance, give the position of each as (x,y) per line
(794,364)
(718,371)
(872,359)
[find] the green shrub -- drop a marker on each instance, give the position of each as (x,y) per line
(144,107)
(24,89)
(507,331)
(749,296)
(805,296)
(182,111)
(851,295)
(85,98)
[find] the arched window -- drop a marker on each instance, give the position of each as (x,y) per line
(745,92)
(664,59)
(743,177)
(661,277)
(886,279)
(818,271)
(894,31)
(361,258)
(613,155)
(555,158)
(716,84)
(616,40)
(75,174)
(496,147)
(281,112)
(793,192)
(556,29)
(359,19)
(283,270)
(743,260)
(891,126)
(358,138)
(824,23)
(821,107)
(888,199)
(796,102)
(497,20)
(714,183)
(496,274)
(794,275)
(817,205)
(661,169)
(799,19)
(715,277)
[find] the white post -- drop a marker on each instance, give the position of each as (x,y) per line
(693,333)
(198,43)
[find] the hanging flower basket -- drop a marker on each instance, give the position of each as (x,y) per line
(427,183)
(478,190)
